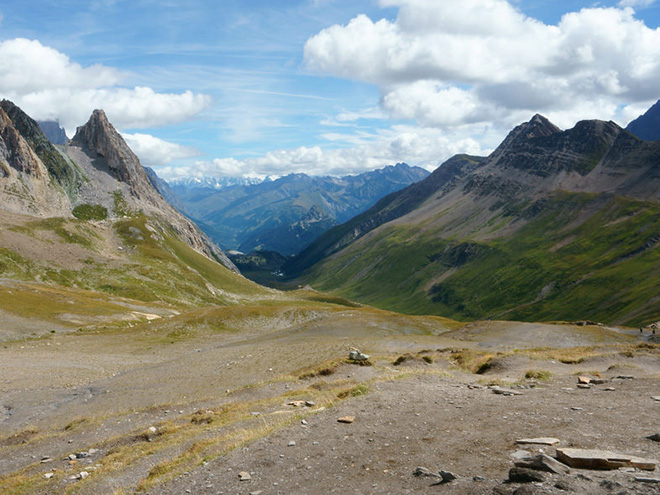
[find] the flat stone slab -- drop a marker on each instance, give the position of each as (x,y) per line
(538,441)
(505,391)
(642,479)
(543,462)
(602,459)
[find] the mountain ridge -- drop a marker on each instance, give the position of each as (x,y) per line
(567,208)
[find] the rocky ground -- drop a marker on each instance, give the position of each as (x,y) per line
(441,423)
(257,413)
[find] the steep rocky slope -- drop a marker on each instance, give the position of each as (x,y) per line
(552,225)
(30,178)
(647,126)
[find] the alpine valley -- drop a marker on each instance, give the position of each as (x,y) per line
(135,358)
(286,214)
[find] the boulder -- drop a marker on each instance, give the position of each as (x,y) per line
(504,391)
(356,355)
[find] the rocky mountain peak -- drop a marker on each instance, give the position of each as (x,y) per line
(647,126)
(539,126)
(55,133)
(541,149)
(99,137)
(114,169)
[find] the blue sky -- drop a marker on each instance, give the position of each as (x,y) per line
(268,87)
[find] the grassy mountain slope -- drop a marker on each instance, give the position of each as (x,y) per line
(128,258)
(552,226)
(392,206)
(562,265)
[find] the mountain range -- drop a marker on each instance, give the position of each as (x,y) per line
(553,225)
(286,214)
(208,182)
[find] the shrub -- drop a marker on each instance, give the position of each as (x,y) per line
(88,211)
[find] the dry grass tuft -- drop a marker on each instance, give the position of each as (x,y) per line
(471,360)
(353,392)
(540,375)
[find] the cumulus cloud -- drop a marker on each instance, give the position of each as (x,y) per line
(426,147)
(48,85)
(445,63)
(154,152)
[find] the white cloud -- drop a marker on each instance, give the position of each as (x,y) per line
(445,63)
(424,147)
(154,151)
(27,66)
(48,85)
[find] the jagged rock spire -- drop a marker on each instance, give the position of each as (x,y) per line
(100,137)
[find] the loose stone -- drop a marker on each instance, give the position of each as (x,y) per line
(525,475)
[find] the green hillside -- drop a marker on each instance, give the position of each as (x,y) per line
(582,256)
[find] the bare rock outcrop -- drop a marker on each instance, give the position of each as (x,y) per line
(25,182)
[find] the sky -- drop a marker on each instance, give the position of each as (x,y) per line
(325,87)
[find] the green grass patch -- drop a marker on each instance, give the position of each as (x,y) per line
(88,211)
